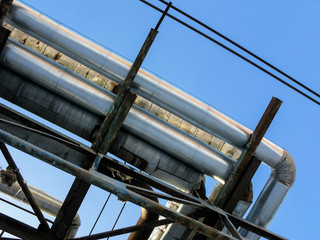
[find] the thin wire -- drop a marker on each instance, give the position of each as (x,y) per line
(234,52)
(2,232)
(94,225)
(118,217)
(242,48)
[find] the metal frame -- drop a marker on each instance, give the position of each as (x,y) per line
(123,191)
(86,174)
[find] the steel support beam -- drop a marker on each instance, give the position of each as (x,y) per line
(32,125)
(241,168)
(126,230)
(111,185)
(20,229)
(104,138)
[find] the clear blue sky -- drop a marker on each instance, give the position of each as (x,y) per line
(285,33)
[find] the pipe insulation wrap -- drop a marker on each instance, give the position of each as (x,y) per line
(147,85)
(62,112)
(166,96)
(141,123)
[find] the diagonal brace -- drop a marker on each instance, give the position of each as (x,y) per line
(24,186)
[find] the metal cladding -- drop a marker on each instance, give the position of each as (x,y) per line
(144,125)
(145,84)
(98,100)
(47,203)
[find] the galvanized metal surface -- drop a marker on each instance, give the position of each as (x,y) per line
(179,145)
(146,85)
(63,113)
(212,120)
(79,90)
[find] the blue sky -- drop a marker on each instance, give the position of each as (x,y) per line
(285,33)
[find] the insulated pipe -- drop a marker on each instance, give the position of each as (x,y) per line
(145,84)
(62,112)
(70,85)
(272,195)
(47,203)
(139,122)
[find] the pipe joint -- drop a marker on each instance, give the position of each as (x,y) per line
(285,170)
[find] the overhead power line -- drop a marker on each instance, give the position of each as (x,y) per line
(236,53)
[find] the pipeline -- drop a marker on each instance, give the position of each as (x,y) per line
(47,203)
(169,98)
(141,123)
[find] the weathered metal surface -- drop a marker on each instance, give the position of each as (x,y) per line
(241,166)
(254,228)
(4,8)
(69,208)
(120,190)
(110,185)
(116,232)
(251,169)
(123,102)
(24,186)
(44,137)
(20,229)
(144,178)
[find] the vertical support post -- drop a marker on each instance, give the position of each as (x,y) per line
(241,166)
(105,137)
(24,186)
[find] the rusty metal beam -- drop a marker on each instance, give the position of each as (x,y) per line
(241,166)
(4,8)
(69,208)
(123,193)
(123,102)
(103,140)
(126,230)
(20,229)
(24,186)
(111,185)
(124,99)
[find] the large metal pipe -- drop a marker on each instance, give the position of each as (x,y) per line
(98,100)
(47,203)
(147,85)
(152,88)
(161,134)
(62,112)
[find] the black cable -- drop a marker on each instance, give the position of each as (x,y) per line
(118,217)
(234,52)
(94,225)
(242,48)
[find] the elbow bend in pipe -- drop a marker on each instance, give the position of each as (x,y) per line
(285,170)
